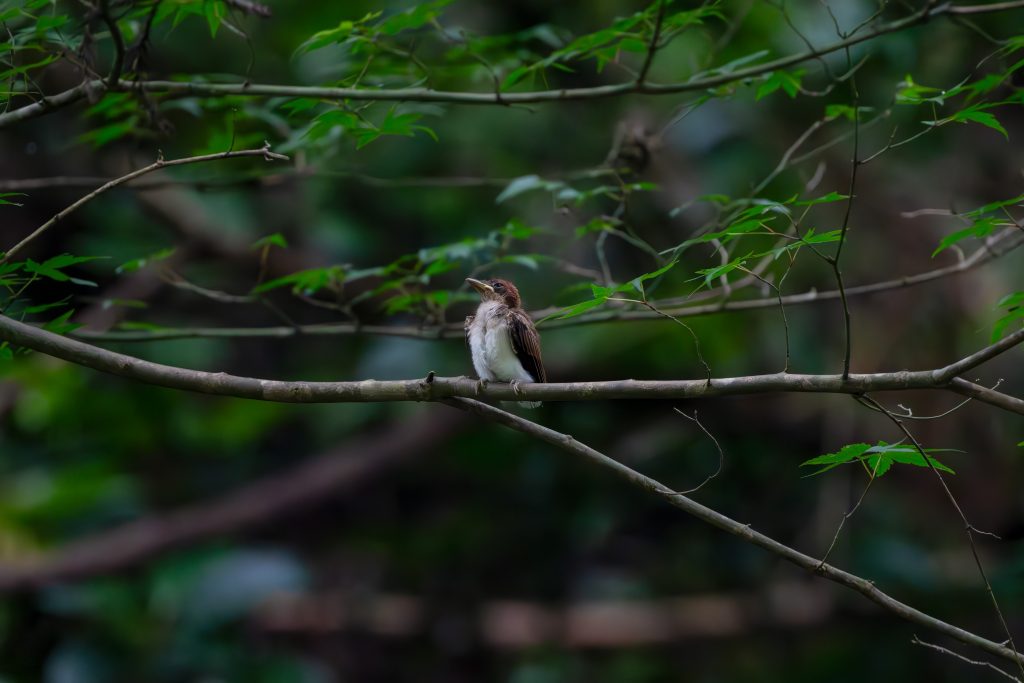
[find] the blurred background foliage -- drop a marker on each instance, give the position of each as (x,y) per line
(482,555)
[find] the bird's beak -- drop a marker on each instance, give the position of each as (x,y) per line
(480,286)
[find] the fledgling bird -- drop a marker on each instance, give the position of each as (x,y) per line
(502,339)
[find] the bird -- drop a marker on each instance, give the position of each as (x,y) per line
(503,342)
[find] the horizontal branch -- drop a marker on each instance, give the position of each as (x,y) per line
(742,531)
(436,388)
(456,331)
(310,483)
(189,88)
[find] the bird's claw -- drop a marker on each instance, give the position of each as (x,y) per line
(481,385)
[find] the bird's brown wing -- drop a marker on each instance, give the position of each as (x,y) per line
(526,344)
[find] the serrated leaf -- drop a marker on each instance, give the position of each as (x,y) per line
(983,117)
(980,228)
(844,455)
(878,458)
(788,82)
(909,455)
(575,310)
(824,199)
(51,268)
(305,282)
(60,324)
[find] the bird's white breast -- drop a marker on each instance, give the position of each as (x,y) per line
(490,345)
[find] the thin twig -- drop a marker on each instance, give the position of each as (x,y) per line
(652,48)
(157,165)
(939,648)
(718,447)
(834,260)
(115,35)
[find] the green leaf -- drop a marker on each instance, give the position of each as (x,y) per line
(983,117)
(845,454)
(711,274)
(878,458)
(824,199)
(575,310)
(274,240)
(414,18)
(103,135)
(638,282)
(521,185)
(980,228)
(330,120)
(39,308)
(1014,305)
(789,82)
(11,194)
(909,455)
(139,263)
(342,33)
(52,268)
(305,282)
(299,105)
(60,324)
(909,92)
(214,11)
(993,206)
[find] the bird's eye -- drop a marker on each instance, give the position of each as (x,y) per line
(498,287)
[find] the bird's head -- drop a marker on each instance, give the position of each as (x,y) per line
(496,290)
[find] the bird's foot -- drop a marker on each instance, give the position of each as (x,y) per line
(481,385)
(515,387)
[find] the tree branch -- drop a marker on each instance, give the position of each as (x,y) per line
(186,88)
(437,388)
(986,395)
(115,35)
(742,531)
(652,48)
(157,165)
(456,331)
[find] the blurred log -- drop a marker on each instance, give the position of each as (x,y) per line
(517,624)
(267,500)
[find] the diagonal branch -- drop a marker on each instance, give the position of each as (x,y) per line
(986,395)
(742,531)
(975,359)
(437,388)
(155,166)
